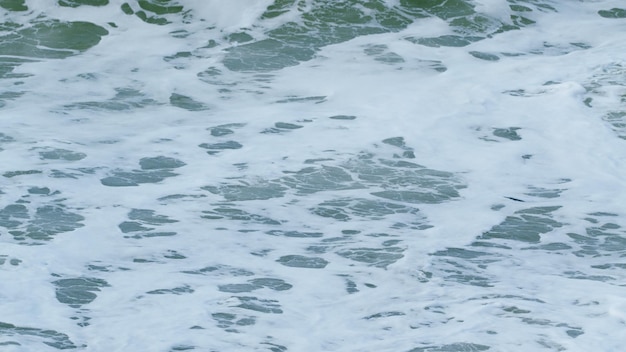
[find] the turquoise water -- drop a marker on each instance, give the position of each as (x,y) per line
(308,175)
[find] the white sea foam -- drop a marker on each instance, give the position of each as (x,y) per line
(380,195)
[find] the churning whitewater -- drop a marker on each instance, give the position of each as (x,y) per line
(312,175)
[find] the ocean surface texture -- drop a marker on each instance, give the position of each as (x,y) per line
(312,175)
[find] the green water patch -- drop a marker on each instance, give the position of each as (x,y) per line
(72,173)
(300,261)
(256,284)
(454,347)
(317,99)
(259,305)
(187,103)
(342,117)
(214,148)
(282,127)
(578,275)
(14,5)
(4,138)
(542,192)
(351,287)
(315,179)
(172,254)
(8,95)
(532,5)
(34,224)
(230,322)
(555,49)
(124,99)
(229,212)
(523,230)
(160,163)
(484,56)
(221,270)
(349,209)
(613,13)
(378,257)
(49,39)
(467,266)
(603,243)
(142,223)
(416,197)
(77,3)
(278,8)
(617,121)
(172,291)
(153,170)
(384,315)
(50,220)
(247,191)
(48,337)
(11,174)
(77,292)
(461,253)
(149,217)
(221,131)
(11,261)
(305,181)
(295,234)
(266,55)
(509,133)
(330,244)
(444,9)
(121,178)
(604,239)
(322,23)
(449,40)
(405,181)
(601,88)
(61,154)
(470,26)
(152,11)
(525,225)
(395,180)
(240,37)
(382,54)
(224,130)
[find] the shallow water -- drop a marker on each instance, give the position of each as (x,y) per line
(309,175)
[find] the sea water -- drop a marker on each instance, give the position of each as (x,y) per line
(312,175)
